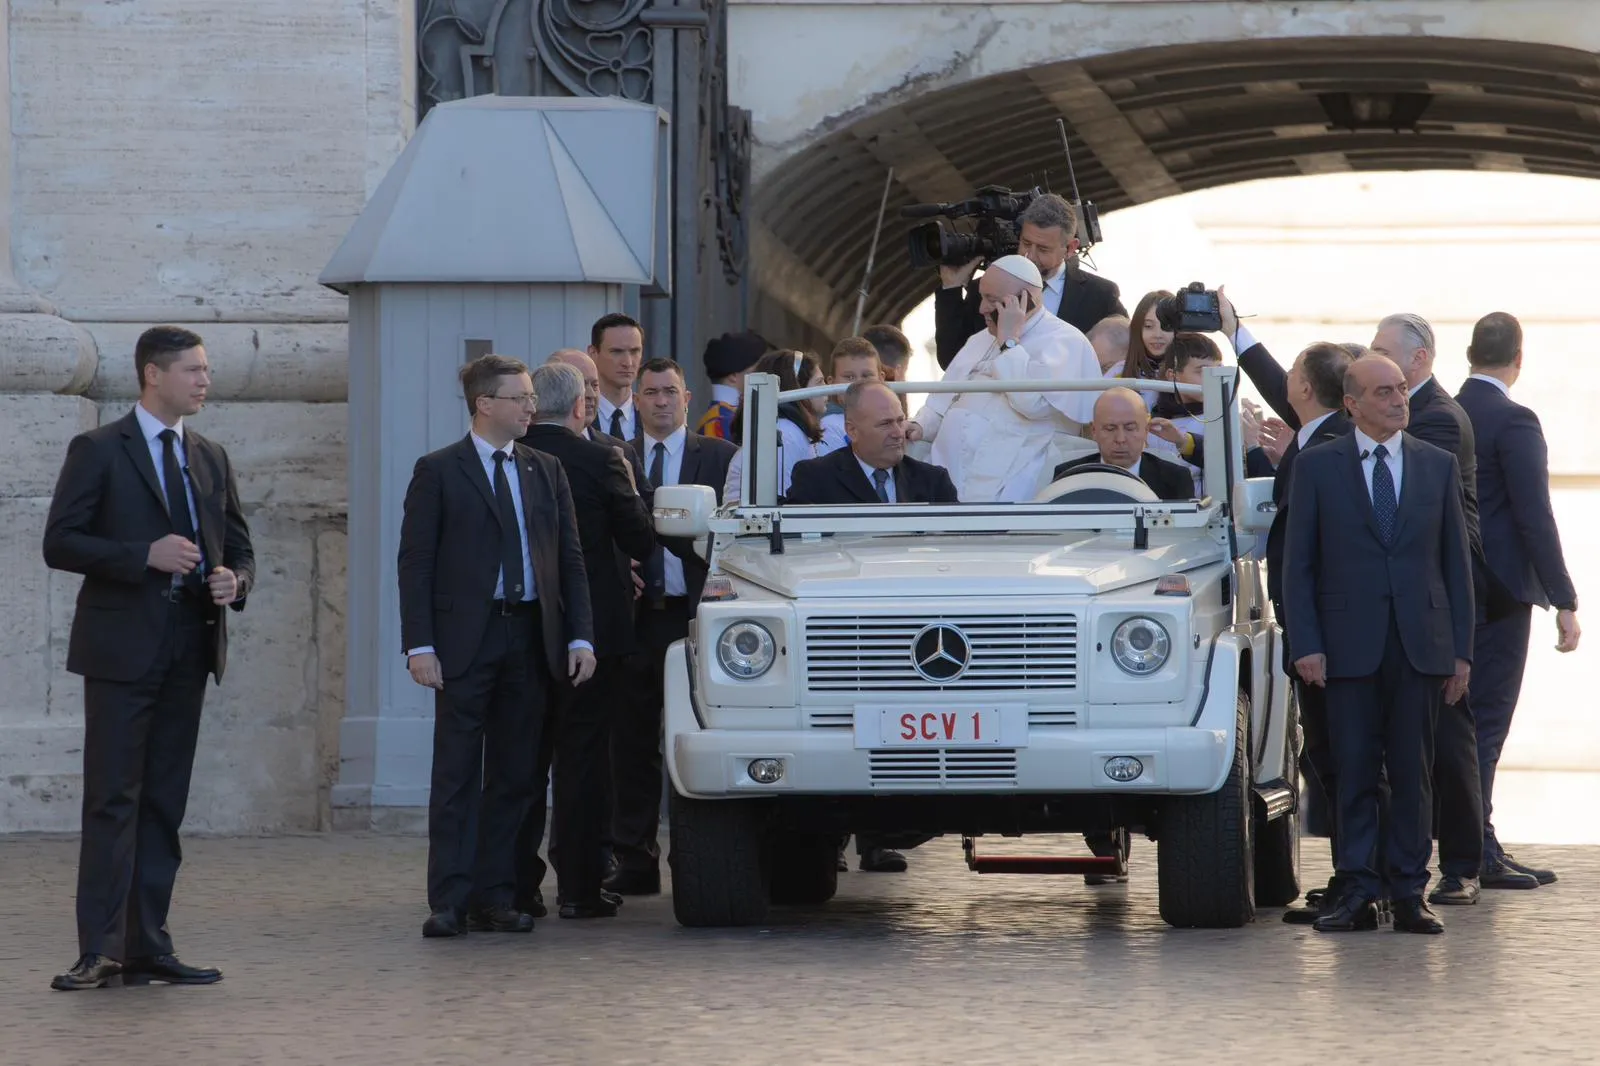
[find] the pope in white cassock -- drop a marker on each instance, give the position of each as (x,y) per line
(1002,447)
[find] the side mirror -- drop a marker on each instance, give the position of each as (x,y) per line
(684,510)
(1254,506)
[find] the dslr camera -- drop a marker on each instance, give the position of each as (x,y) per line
(994,235)
(1194,309)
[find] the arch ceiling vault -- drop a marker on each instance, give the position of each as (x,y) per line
(1153,123)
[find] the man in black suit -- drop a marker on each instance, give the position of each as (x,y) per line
(494,610)
(147,511)
(1048,235)
(1378,577)
(614,528)
(616,345)
(674,579)
(875,468)
(1458,792)
(1121,428)
(1522,556)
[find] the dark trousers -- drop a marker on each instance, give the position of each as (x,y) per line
(636,740)
(1500,648)
(138,754)
(1376,724)
(576,742)
(1316,756)
(485,736)
(1457,791)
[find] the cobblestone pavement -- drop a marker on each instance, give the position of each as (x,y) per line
(319,938)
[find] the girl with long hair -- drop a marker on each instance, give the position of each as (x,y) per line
(799,423)
(1147,341)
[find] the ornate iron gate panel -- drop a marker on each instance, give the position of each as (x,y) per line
(672,55)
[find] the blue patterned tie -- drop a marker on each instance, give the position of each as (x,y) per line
(1384,505)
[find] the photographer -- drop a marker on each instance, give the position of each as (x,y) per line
(1047,235)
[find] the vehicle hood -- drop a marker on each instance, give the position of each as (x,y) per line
(1064,564)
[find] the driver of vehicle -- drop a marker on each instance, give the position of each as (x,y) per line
(1120,428)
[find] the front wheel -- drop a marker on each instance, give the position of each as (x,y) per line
(1204,854)
(719,873)
(805,868)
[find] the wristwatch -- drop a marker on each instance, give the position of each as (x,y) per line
(1007,345)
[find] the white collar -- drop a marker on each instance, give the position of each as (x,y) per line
(1365,443)
(1496,382)
(1419,385)
(674,442)
(606,406)
(486,450)
(1309,428)
(152,427)
(725,394)
(1055,282)
(867,468)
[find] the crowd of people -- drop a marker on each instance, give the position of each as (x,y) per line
(1413,537)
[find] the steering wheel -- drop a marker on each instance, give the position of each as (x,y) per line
(1097,483)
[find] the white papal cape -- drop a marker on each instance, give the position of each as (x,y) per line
(1002,447)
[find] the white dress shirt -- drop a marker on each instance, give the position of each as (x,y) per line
(1308,430)
(888,486)
(1395,459)
(152,428)
(1054,287)
(1496,382)
(630,417)
(671,471)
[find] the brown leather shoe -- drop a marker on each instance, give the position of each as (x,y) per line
(91,971)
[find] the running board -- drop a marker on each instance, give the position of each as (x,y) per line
(1110,865)
(1274,799)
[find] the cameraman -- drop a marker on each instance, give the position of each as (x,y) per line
(1048,235)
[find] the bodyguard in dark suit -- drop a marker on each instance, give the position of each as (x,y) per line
(674,579)
(1121,428)
(494,610)
(875,468)
(1047,234)
(1522,555)
(1458,796)
(614,527)
(1379,586)
(147,511)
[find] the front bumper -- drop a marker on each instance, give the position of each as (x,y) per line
(710,763)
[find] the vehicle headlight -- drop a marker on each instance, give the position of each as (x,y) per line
(1141,646)
(746,650)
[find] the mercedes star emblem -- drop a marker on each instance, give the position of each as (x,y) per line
(941,653)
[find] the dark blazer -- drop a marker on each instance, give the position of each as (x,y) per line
(837,478)
(1167,480)
(705,462)
(107,510)
(1440,421)
(613,527)
(1085,299)
(450,555)
(1341,581)
(1521,545)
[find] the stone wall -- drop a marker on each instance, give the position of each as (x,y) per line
(189,161)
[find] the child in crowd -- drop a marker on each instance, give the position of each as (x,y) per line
(853,359)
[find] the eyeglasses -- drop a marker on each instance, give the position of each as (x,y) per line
(526,399)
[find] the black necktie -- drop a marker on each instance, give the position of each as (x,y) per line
(616,423)
(510,534)
(880,481)
(1384,505)
(655,568)
(177,498)
(658,464)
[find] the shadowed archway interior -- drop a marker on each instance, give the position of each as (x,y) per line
(1148,124)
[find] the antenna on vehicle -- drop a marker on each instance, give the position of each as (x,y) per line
(1088,214)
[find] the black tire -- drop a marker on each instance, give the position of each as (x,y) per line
(719,874)
(1278,841)
(1204,861)
(805,868)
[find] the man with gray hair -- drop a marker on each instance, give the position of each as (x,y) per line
(613,527)
(1047,235)
(1438,419)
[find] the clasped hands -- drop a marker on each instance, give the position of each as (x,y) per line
(173,554)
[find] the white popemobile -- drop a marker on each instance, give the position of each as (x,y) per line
(1096,661)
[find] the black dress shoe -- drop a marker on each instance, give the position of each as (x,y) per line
(91,971)
(1353,914)
(634,882)
(441,924)
(168,970)
(1543,876)
(1302,915)
(1455,891)
(1500,875)
(1413,916)
(596,908)
(533,904)
(499,918)
(883,861)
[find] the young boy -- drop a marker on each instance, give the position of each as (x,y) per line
(1176,428)
(853,359)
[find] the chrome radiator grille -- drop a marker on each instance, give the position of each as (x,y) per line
(867,653)
(943,768)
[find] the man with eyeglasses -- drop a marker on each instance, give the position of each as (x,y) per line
(494,607)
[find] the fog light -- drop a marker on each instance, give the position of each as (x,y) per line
(767,771)
(1119,768)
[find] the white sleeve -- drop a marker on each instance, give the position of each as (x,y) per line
(732,485)
(1065,355)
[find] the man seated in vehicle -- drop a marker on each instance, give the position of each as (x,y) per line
(1120,428)
(875,468)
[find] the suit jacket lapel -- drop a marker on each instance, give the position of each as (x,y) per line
(689,468)
(1409,465)
(472,467)
(1359,482)
(208,508)
(139,451)
(855,482)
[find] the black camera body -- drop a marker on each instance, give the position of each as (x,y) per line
(1194,309)
(994,235)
